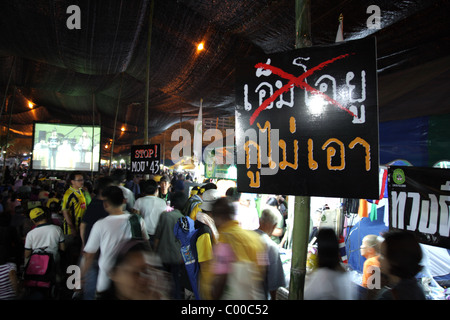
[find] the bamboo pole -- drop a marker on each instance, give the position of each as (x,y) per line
(300,230)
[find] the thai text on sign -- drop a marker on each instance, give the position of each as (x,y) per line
(307,122)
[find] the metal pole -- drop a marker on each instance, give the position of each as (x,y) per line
(147,77)
(164,149)
(7,134)
(92,139)
(300,230)
(115,125)
(7,85)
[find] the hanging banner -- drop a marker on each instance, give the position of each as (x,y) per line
(217,163)
(145,159)
(307,122)
(419,200)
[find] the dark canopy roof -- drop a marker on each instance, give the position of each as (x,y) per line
(80,76)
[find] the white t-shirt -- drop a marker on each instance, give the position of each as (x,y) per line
(107,234)
(327,284)
(47,236)
(129,197)
(150,208)
(246,216)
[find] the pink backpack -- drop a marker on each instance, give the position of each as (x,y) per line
(40,270)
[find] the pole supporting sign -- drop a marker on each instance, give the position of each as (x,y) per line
(419,201)
(307,122)
(145,159)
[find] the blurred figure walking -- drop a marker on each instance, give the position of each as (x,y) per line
(239,262)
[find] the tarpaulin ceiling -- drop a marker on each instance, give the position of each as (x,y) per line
(82,75)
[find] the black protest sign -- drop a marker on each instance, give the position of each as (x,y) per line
(145,159)
(307,122)
(419,200)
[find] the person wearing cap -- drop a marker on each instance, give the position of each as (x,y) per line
(204,216)
(193,200)
(44,235)
(206,235)
(194,204)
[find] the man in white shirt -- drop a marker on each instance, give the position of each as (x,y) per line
(275,277)
(120,178)
(106,235)
(246,213)
(150,207)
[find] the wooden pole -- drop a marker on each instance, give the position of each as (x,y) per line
(300,230)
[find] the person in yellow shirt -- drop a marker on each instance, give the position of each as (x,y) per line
(370,249)
(73,208)
(239,261)
(206,229)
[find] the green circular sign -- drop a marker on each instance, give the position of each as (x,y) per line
(398,176)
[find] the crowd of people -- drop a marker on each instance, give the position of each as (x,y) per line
(164,237)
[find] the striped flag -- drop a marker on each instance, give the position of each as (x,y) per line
(342,250)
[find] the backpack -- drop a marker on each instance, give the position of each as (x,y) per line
(40,270)
(136,232)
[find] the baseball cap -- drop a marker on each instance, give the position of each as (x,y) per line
(36,212)
(52,200)
(209,197)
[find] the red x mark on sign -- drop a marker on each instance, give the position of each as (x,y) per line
(299,82)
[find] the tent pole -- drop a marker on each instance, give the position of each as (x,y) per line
(7,133)
(92,140)
(115,124)
(147,76)
(164,149)
(7,85)
(300,230)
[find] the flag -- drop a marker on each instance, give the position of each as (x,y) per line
(197,146)
(342,250)
(363,209)
(340,32)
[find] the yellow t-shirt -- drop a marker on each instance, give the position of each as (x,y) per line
(75,202)
(204,248)
(246,246)
(195,210)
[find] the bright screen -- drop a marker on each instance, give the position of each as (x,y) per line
(65,147)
